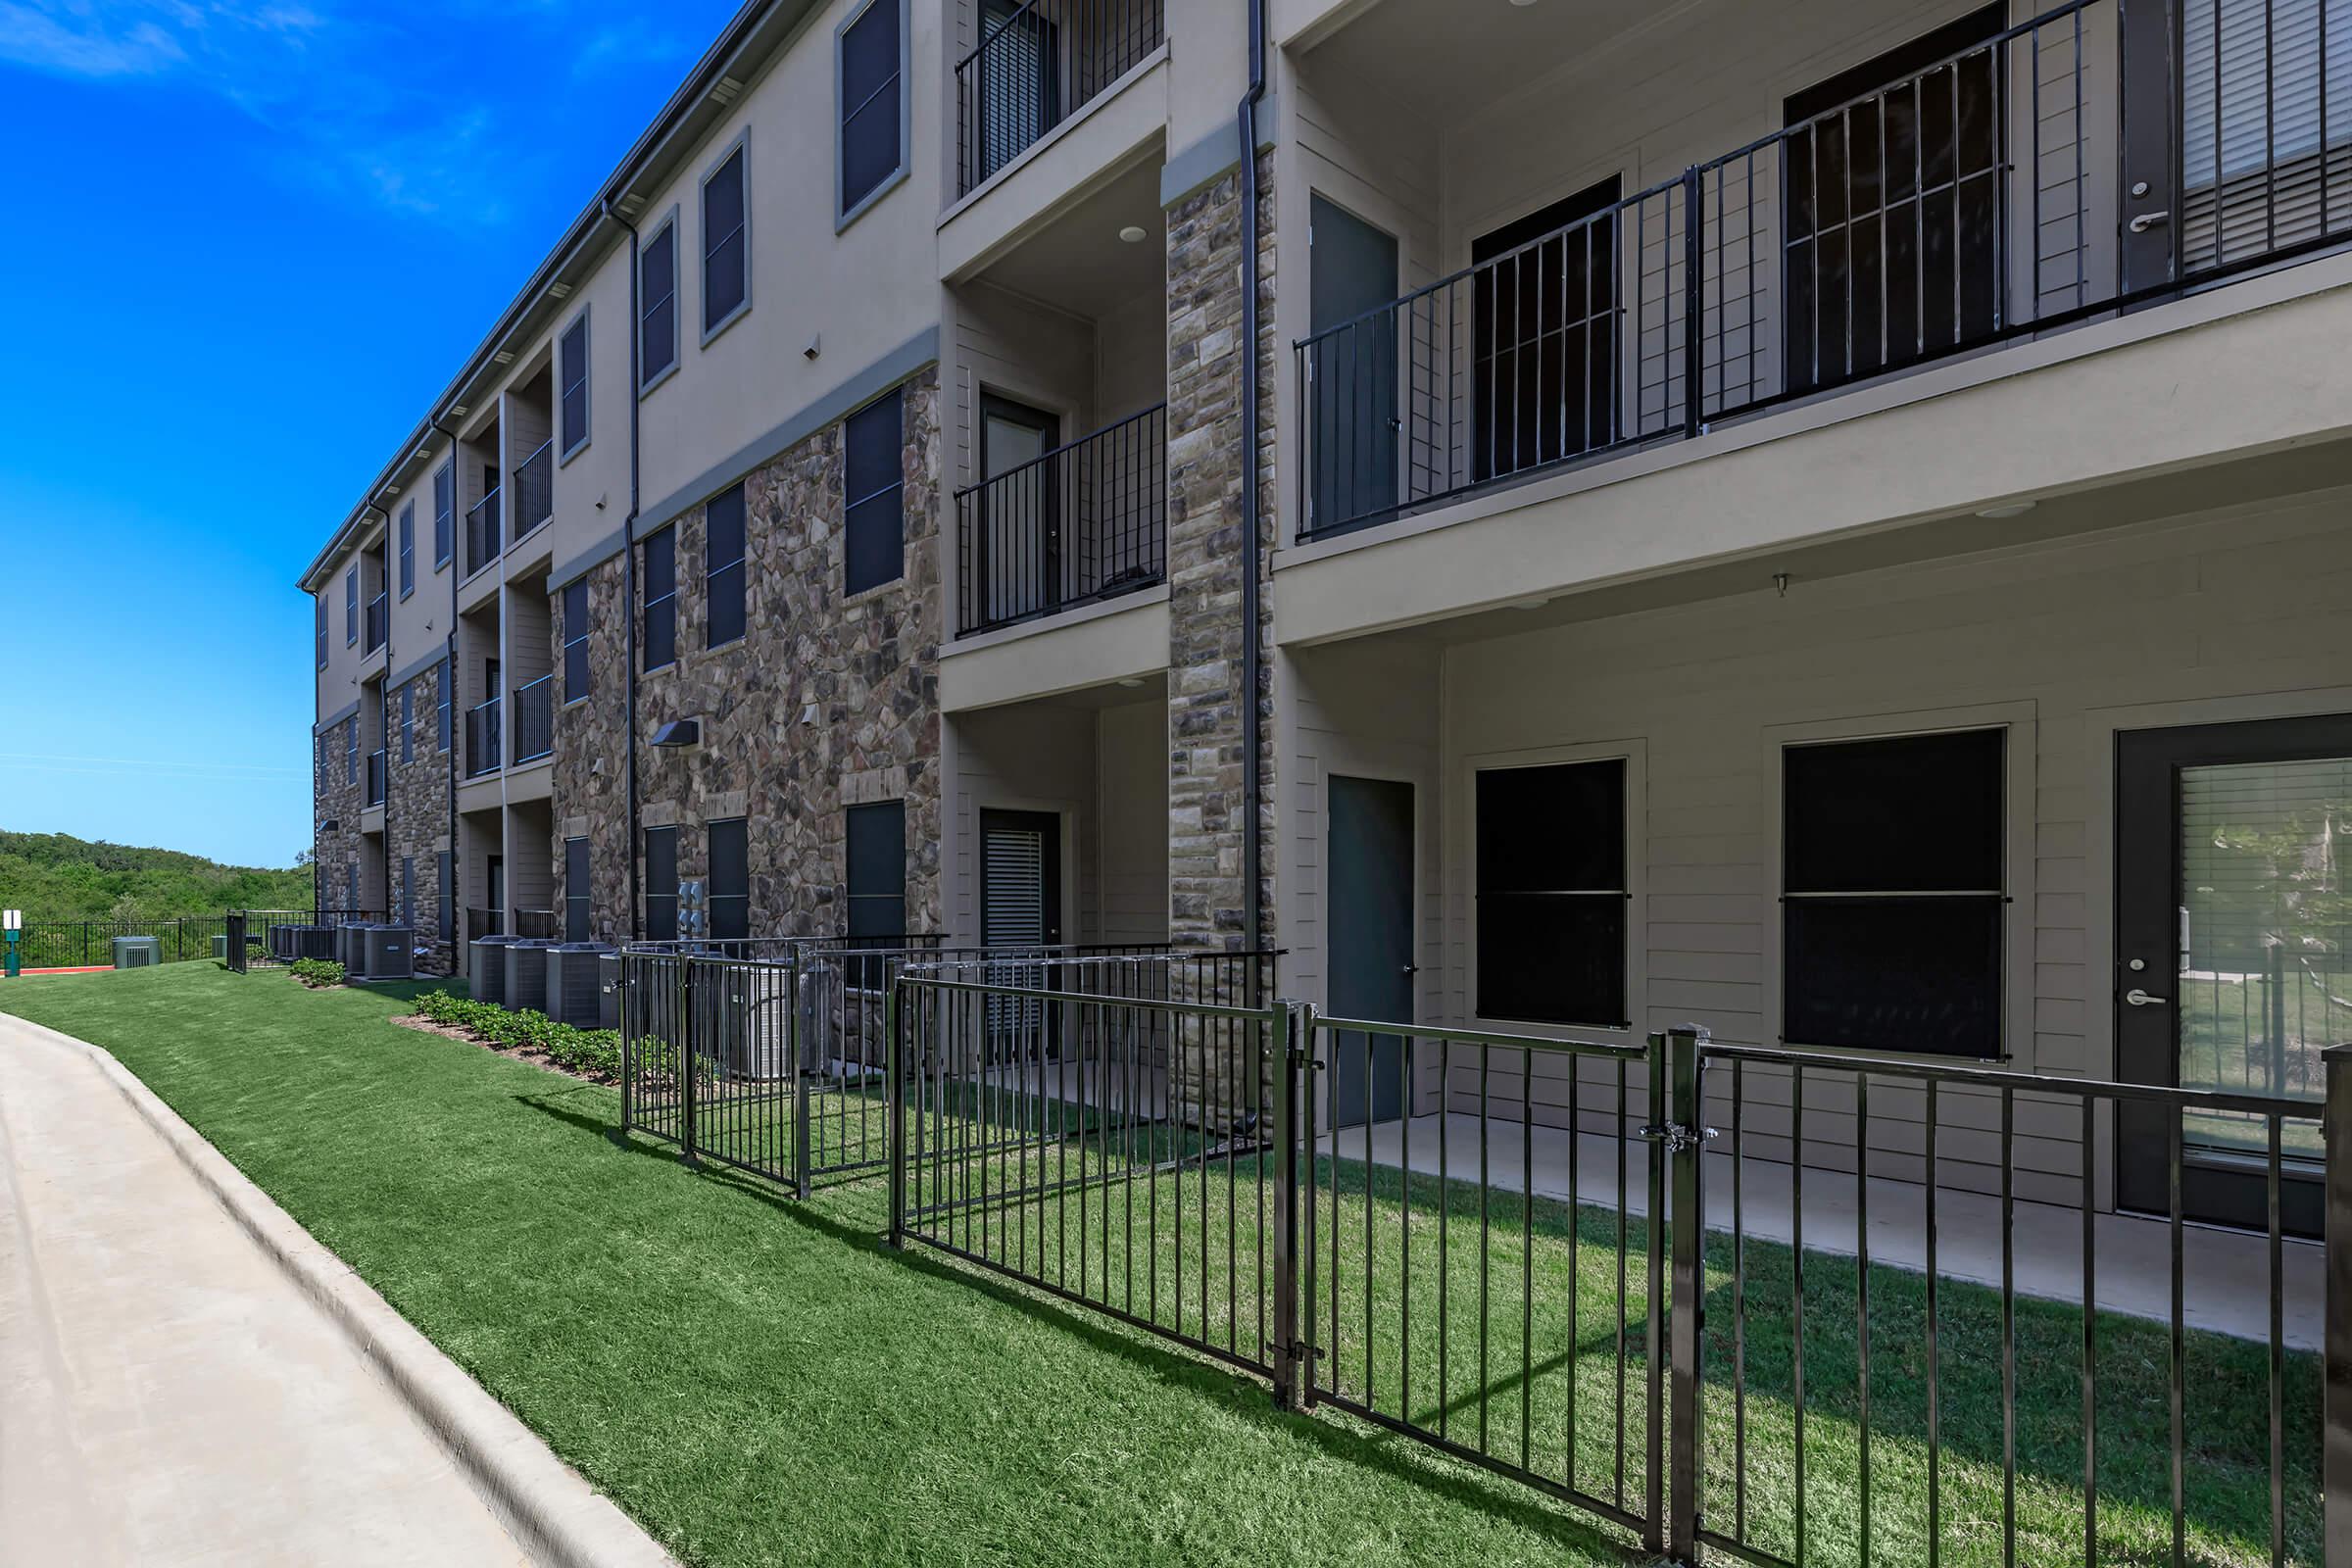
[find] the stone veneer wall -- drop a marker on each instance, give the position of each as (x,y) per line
(590,786)
(416,814)
(1207,703)
(335,799)
(868,667)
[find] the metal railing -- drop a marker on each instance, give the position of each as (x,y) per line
(1085,521)
(535,720)
(271,939)
(1970,204)
(537,925)
(483,542)
(379,623)
(1039,66)
(480,923)
(535,489)
(484,742)
(375,778)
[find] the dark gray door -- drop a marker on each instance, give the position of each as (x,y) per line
(1371,943)
(1351,271)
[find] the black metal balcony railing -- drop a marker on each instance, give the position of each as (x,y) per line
(375,778)
(482,542)
(482,739)
(535,720)
(1971,203)
(481,922)
(535,489)
(1039,66)
(379,622)
(1084,522)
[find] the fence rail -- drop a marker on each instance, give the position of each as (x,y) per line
(1971,202)
(1035,68)
(535,720)
(1084,522)
(483,541)
(535,489)
(181,939)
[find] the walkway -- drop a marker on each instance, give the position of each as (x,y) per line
(171,1397)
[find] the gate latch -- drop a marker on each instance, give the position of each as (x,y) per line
(1675,1136)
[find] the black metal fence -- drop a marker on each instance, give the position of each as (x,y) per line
(375,778)
(483,541)
(90,943)
(484,739)
(1084,522)
(1772,1307)
(379,622)
(535,720)
(1037,66)
(535,489)
(1973,202)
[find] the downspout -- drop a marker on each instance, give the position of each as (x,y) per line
(1254,660)
(449,694)
(383,717)
(628,569)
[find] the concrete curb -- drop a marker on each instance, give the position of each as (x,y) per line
(557,1518)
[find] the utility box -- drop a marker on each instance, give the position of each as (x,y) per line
(351,950)
(220,949)
(608,988)
(391,952)
(572,982)
(526,974)
(137,952)
(487,976)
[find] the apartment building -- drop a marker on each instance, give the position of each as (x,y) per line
(1828,520)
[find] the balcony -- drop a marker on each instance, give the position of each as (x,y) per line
(379,624)
(535,720)
(1037,68)
(1083,522)
(482,739)
(376,779)
(1968,200)
(481,534)
(535,490)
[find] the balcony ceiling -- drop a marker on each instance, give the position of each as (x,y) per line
(1078,263)
(1451,57)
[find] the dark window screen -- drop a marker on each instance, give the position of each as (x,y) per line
(723,567)
(444,515)
(726,243)
(875,484)
(658,329)
(877,868)
(576,898)
(730,890)
(576,384)
(576,679)
(1894,893)
(659,633)
(1551,894)
(661,884)
(870,102)
(407,550)
(442,872)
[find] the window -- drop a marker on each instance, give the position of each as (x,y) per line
(445,513)
(658,632)
(1543,335)
(658,317)
(351,885)
(877,866)
(441,687)
(575,641)
(351,753)
(408,891)
(575,890)
(319,627)
(726,246)
(351,607)
(1893,895)
(1552,894)
(407,550)
(408,725)
(447,883)
(875,483)
(730,891)
(722,567)
(574,372)
(871,133)
(1883,270)
(661,884)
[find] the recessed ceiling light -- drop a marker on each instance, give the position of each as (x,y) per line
(2014,509)
(1528,604)
(1133,234)
(1131,682)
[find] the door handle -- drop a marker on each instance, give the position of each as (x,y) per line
(2140,999)
(2147,220)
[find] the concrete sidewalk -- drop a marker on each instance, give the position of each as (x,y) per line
(169,1395)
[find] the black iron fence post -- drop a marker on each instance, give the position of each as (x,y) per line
(2336,1474)
(234,926)
(895,1064)
(802,1036)
(688,1069)
(1694,302)
(1685,1142)
(625,1008)
(1292,1028)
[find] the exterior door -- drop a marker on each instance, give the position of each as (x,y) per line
(2233,921)
(1371,943)
(1020,907)
(1351,271)
(1019,542)
(494,873)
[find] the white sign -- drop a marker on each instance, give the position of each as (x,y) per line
(13,920)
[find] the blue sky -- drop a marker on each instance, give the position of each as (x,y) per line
(253,241)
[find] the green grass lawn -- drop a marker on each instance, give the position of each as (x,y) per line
(759,1380)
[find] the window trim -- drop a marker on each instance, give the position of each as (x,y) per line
(668,226)
(404,534)
(845,215)
(448,470)
(1634,754)
(849,502)
(710,893)
(645,848)
(579,320)
(320,628)
(741,144)
(741,565)
(562,611)
(351,606)
(644,603)
(2019,825)
(849,897)
(585,897)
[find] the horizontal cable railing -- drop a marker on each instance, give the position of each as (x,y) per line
(1037,66)
(535,720)
(535,489)
(483,747)
(1968,204)
(375,778)
(1083,522)
(482,539)
(379,622)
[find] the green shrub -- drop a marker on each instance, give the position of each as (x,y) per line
(592,1052)
(318,973)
